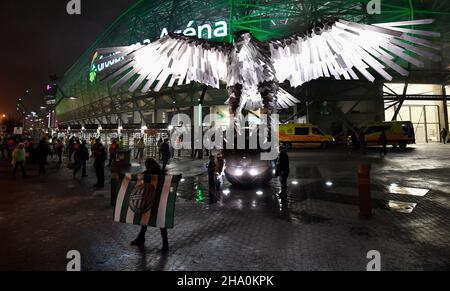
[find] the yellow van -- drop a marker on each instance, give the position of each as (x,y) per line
(293,134)
(398,133)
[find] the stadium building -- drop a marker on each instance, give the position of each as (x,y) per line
(336,106)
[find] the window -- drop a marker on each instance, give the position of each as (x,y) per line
(408,130)
(302,131)
(375,129)
(317,131)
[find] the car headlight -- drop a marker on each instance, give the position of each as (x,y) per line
(254,172)
(239,172)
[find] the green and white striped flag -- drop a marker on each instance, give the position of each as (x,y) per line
(147,204)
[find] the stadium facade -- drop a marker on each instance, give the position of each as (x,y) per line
(336,106)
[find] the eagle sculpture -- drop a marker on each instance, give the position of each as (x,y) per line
(253,70)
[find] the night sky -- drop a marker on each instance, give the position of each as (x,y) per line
(39,38)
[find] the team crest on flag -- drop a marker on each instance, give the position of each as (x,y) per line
(147,204)
(142,197)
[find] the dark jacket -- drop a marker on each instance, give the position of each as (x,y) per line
(165,151)
(100,156)
(212,167)
(43,150)
(283,168)
(82,154)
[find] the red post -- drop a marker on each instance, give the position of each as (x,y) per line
(365,199)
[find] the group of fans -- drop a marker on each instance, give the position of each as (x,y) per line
(20,151)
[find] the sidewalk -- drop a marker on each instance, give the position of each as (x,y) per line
(41,219)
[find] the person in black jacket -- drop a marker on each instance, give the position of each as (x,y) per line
(99,164)
(283,169)
(152,169)
(81,156)
(70,145)
(43,151)
(165,153)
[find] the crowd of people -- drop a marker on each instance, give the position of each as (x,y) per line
(76,153)
(21,152)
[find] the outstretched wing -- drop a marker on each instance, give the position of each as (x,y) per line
(176,58)
(340,48)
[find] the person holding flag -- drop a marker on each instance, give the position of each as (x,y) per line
(152,169)
(147,199)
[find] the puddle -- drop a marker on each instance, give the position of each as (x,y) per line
(402,207)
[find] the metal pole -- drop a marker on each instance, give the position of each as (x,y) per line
(402,100)
(444,97)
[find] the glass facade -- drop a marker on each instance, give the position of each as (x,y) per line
(425,119)
(428,117)
(147,20)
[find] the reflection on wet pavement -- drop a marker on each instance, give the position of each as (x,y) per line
(394,189)
(267,199)
(307,182)
(403,207)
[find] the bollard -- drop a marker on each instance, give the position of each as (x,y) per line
(365,199)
